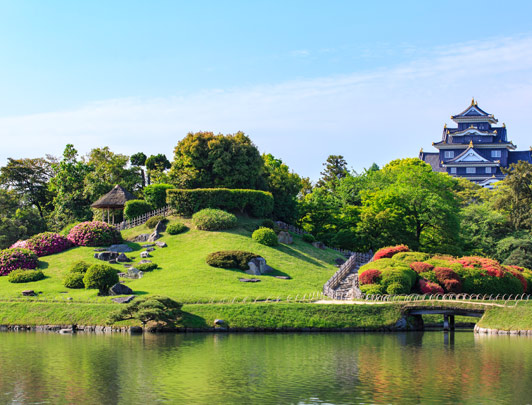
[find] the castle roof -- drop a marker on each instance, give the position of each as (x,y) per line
(474,113)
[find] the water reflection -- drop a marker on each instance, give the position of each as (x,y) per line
(430,367)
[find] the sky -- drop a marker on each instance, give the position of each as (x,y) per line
(372,81)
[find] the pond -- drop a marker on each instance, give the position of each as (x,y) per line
(302,368)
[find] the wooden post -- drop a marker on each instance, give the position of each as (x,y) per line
(445,322)
(451,323)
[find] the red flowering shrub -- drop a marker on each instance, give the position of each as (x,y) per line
(389,251)
(421,267)
(94,233)
(520,277)
(428,287)
(452,286)
(12,259)
(371,276)
(445,273)
(46,243)
(510,267)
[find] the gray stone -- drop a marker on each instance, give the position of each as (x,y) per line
(122,258)
(160,227)
(144,261)
(134,273)
(28,293)
(106,256)
(284,277)
(285,237)
(249,280)
(161,244)
(144,254)
(143,237)
(257,266)
(120,289)
(154,236)
(148,245)
(124,300)
(150,249)
(127,265)
(66,331)
(219,322)
(318,245)
(100,249)
(339,261)
(121,248)
(113,261)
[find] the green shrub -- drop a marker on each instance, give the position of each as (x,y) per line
(230,259)
(80,267)
(136,208)
(307,237)
(372,289)
(66,229)
(265,236)
(267,223)
(211,219)
(153,221)
(146,266)
(384,264)
(100,276)
(406,278)
(25,276)
(186,202)
(409,257)
(397,289)
(162,310)
(155,194)
(177,228)
(74,280)
(430,276)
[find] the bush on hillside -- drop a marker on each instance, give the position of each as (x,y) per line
(46,243)
(421,267)
(268,223)
(66,229)
(162,310)
(146,266)
(255,202)
(230,259)
(265,236)
(136,208)
(80,267)
(390,251)
(13,259)
(429,287)
(155,194)
(409,257)
(371,276)
(214,220)
(153,221)
(176,228)
(25,276)
(372,289)
(307,237)
(74,280)
(100,276)
(94,233)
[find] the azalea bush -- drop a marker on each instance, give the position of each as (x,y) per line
(17,258)
(44,244)
(390,251)
(94,233)
(371,276)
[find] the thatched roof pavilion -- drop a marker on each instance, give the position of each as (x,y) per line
(114,199)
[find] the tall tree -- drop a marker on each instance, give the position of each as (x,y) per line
(157,165)
(139,160)
(335,169)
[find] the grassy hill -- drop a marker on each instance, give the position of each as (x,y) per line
(183,273)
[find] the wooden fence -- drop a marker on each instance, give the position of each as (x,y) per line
(351,265)
(131,223)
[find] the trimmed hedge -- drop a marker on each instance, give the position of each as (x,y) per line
(25,276)
(230,259)
(390,251)
(211,219)
(100,276)
(255,202)
(153,221)
(265,236)
(155,194)
(146,266)
(80,267)
(74,280)
(175,229)
(136,208)
(94,233)
(13,259)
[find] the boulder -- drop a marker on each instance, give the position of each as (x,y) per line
(257,266)
(121,248)
(124,300)
(219,322)
(148,245)
(144,261)
(106,256)
(249,280)
(150,249)
(143,237)
(28,293)
(160,227)
(132,272)
(318,245)
(285,237)
(122,258)
(113,261)
(283,277)
(154,236)
(161,244)
(120,289)
(144,254)
(127,265)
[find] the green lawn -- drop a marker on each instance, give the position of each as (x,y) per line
(184,275)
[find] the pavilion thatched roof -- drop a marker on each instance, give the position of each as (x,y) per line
(116,198)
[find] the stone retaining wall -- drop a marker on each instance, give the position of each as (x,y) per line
(488,331)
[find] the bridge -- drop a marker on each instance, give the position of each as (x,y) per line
(447,312)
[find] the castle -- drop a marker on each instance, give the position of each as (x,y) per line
(476,149)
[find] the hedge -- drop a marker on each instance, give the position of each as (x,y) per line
(136,208)
(186,202)
(25,276)
(155,194)
(210,219)
(231,259)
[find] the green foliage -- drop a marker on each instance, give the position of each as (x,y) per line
(136,208)
(409,257)
(519,257)
(210,219)
(203,160)
(100,276)
(157,165)
(309,238)
(80,267)
(230,259)
(176,228)
(158,309)
(186,202)
(515,251)
(265,236)
(267,223)
(514,196)
(153,221)
(25,276)
(372,289)
(335,169)
(397,288)
(74,280)
(155,194)
(146,266)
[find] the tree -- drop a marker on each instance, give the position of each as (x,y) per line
(203,159)
(157,165)
(157,309)
(335,169)
(139,160)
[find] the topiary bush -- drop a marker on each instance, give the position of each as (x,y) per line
(74,280)
(397,289)
(17,258)
(80,267)
(265,236)
(210,219)
(146,266)
(230,259)
(94,233)
(390,251)
(429,287)
(372,289)
(177,228)
(155,194)
(136,208)
(371,276)
(25,276)
(47,243)
(409,257)
(153,221)
(100,276)
(421,267)
(307,237)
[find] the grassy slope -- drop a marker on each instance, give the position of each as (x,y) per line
(508,318)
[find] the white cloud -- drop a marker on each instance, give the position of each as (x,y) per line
(366,116)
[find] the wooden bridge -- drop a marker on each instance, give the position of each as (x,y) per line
(447,312)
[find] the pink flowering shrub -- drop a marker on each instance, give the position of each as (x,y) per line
(20,244)
(421,267)
(46,243)
(389,251)
(371,276)
(94,233)
(428,287)
(17,258)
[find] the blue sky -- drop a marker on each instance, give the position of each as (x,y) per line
(372,81)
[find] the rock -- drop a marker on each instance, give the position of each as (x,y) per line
(121,248)
(127,265)
(339,261)
(112,261)
(150,249)
(257,266)
(106,256)
(143,237)
(285,237)
(28,293)
(318,245)
(144,254)
(144,261)
(120,289)
(284,277)
(160,227)
(100,249)
(148,245)
(154,236)
(122,258)
(132,272)
(249,280)
(161,244)
(124,300)
(219,322)
(66,331)
(135,329)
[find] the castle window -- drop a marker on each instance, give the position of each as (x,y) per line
(471,170)
(488,169)
(496,153)
(453,170)
(449,154)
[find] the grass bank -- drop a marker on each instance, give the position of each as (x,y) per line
(508,318)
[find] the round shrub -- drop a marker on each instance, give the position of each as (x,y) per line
(100,276)
(430,276)
(136,208)
(210,219)
(177,228)
(372,289)
(12,259)
(409,257)
(25,276)
(265,236)
(19,244)
(444,274)
(428,287)
(371,276)
(421,267)
(146,266)
(230,259)
(307,237)
(390,251)
(80,267)
(74,280)
(268,223)
(397,289)
(94,233)
(153,221)
(452,286)
(407,278)
(47,243)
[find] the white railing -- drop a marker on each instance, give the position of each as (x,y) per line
(131,223)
